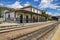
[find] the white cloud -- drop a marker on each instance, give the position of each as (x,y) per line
(36,0)
(27,4)
(15,5)
(57,14)
(1,4)
(58,9)
(53,14)
(50,13)
(48,4)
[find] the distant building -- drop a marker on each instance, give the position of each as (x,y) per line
(55,18)
(24,15)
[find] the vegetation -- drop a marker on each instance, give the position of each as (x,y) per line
(1,9)
(4,8)
(0,22)
(0,13)
(45,15)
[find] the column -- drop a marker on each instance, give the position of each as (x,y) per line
(14,16)
(31,18)
(24,18)
(38,18)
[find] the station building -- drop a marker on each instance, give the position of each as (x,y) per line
(27,14)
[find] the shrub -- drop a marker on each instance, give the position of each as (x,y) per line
(0,22)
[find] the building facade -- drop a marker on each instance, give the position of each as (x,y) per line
(27,14)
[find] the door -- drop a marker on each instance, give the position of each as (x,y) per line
(26,19)
(33,19)
(21,18)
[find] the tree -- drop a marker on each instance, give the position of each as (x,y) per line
(4,8)
(1,9)
(45,15)
(0,12)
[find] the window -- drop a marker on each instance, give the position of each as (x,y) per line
(39,12)
(12,14)
(32,9)
(35,10)
(9,16)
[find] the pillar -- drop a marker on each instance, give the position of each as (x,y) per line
(14,16)
(23,18)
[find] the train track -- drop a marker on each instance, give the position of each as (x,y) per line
(30,35)
(18,27)
(36,35)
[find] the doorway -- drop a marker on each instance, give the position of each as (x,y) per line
(27,19)
(33,19)
(21,18)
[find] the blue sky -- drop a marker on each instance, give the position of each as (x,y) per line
(52,7)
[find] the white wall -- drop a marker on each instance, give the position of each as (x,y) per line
(3,14)
(12,15)
(28,9)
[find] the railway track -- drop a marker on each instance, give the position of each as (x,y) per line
(25,33)
(37,34)
(18,27)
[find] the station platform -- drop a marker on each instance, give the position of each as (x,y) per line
(57,34)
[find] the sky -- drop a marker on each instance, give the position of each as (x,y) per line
(52,7)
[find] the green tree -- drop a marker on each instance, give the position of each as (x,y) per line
(1,9)
(0,12)
(45,15)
